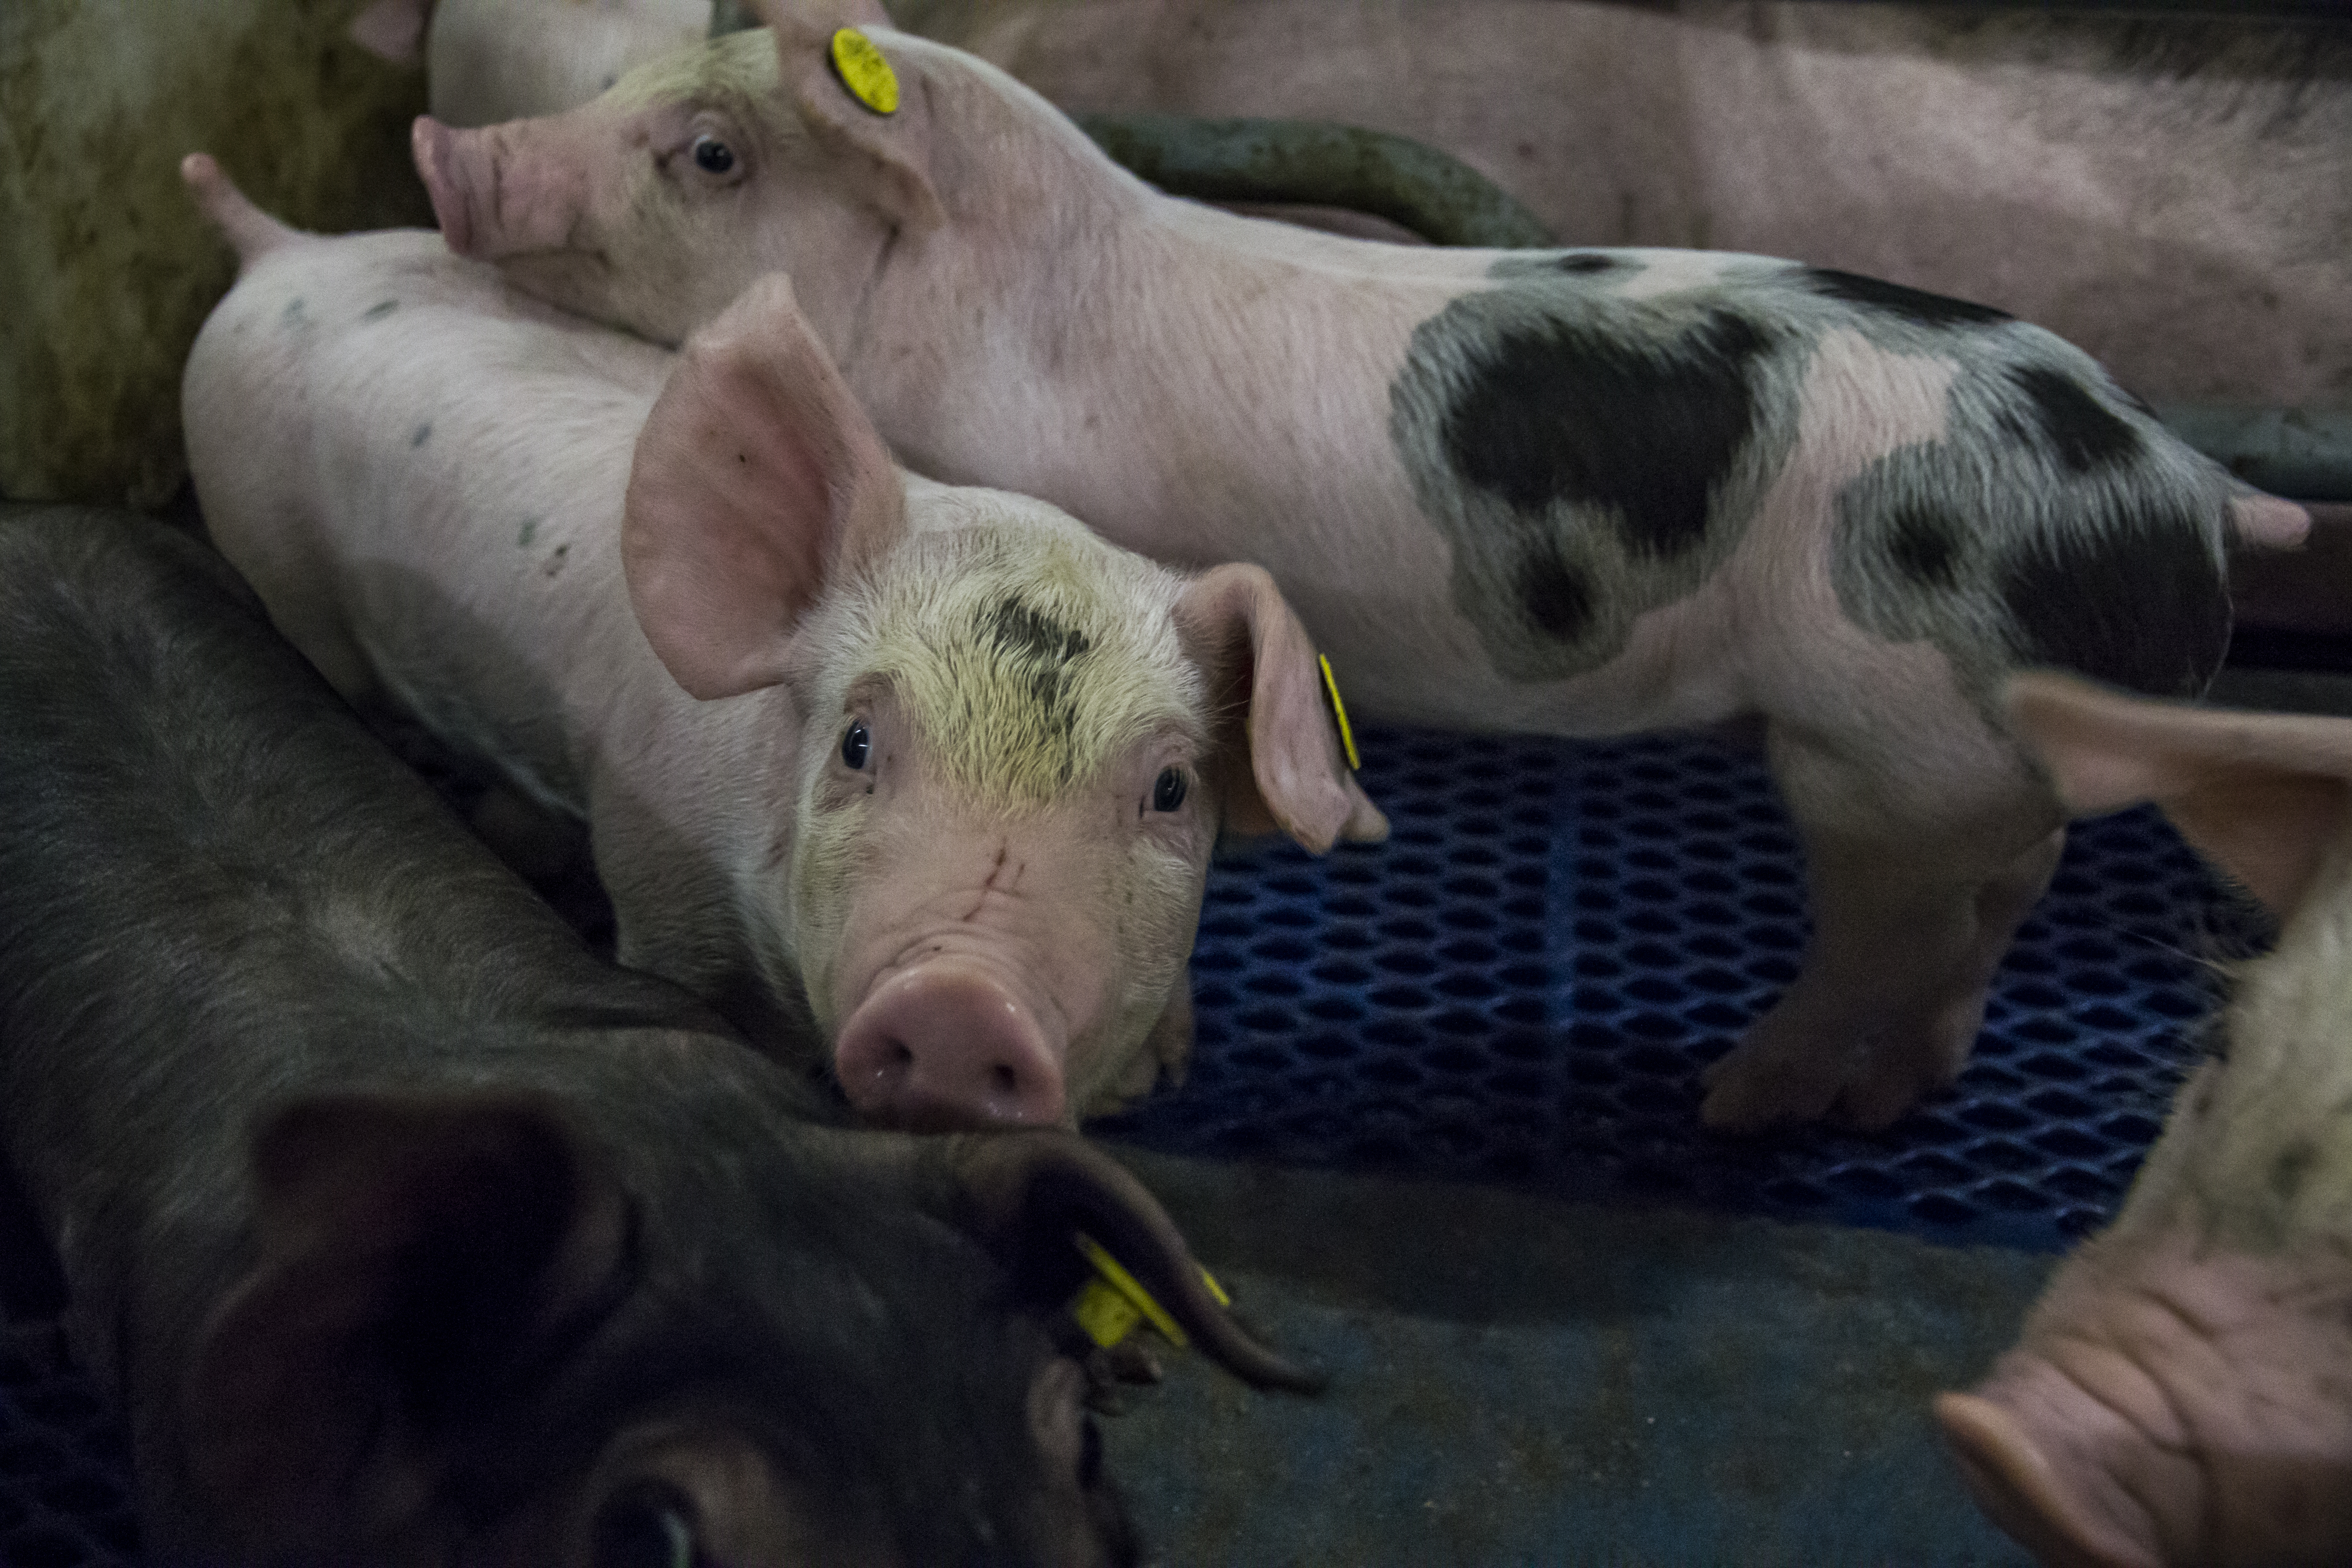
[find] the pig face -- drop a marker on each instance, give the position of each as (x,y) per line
(1017,744)
(2177,1395)
(686,157)
(494,1326)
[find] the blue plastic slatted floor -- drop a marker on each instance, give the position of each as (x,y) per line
(1523,985)
(1525,982)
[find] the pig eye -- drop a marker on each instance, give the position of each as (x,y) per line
(857,745)
(645,1525)
(1168,790)
(712,157)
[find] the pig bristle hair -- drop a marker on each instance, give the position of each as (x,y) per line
(741,66)
(1027,653)
(2258,1153)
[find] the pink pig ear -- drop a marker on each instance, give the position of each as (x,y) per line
(1293,778)
(2263,796)
(757,477)
(888,154)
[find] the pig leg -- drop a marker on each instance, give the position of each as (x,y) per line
(2177,1404)
(1910,910)
(1925,1052)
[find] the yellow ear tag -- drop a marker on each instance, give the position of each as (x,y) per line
(1109,1305)
(1339,711)
(863,71)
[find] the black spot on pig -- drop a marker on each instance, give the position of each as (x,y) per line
(2073,426)
(379,310)
(1016,628)
(422,434)
(1541,265)
(1924,545)
(2293,1163)
(2138,603)
(1588,458)
(1642,428)
(1558,598)
(1913,305)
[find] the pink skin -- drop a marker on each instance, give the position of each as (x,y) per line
(976,976)
(2171,1405)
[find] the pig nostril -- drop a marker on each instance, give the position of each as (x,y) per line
(900,1055)
(1004,1079)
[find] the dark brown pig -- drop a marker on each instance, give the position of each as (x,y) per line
(405,1230)
(2182,1395)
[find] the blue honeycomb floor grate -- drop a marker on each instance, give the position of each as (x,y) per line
(1526,982)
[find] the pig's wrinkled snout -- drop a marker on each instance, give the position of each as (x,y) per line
(946,1045)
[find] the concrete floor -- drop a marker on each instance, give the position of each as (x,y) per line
(1521,1380)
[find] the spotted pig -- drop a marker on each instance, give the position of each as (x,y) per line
(1581,493)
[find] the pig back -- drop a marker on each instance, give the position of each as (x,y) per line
(216,891)
(421,472)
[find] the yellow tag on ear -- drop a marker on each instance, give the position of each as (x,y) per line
(1110,1306)
(1339,711)
(863,71)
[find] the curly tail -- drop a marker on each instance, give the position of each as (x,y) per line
(253,231)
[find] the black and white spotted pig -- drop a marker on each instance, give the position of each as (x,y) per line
(1581,492)
(408,1232)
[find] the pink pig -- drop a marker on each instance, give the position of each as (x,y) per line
(933,770)
(1579,492)
(2182,1395)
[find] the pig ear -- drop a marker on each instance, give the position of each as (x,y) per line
(2260,794)
(410,1253)
(1025,1195)
(888,153)
(1291,776)
(757,478)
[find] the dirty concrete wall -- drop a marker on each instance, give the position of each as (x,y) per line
(106,270)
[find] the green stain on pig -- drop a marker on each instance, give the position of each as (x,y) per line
(103,247)
(528,532)
(377,312)
(422,434)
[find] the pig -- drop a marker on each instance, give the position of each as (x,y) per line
(487,60)
(930,774)
(1581,493)
(2183,1393)
(2170,194)
(405,1230)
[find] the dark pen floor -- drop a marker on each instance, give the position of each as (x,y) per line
(1440,1136)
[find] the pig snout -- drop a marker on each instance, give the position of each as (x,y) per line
(945,1045)
(490,199)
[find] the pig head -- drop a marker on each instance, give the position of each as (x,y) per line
(1017,744)
(2182,1393)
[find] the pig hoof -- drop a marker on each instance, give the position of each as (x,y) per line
(1750,1091)
(2020,1491)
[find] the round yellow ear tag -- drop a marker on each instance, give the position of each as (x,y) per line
(863,71)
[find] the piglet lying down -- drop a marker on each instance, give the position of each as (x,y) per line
(2182,1395)
(932,769)
(405,1231)
(1581,492)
